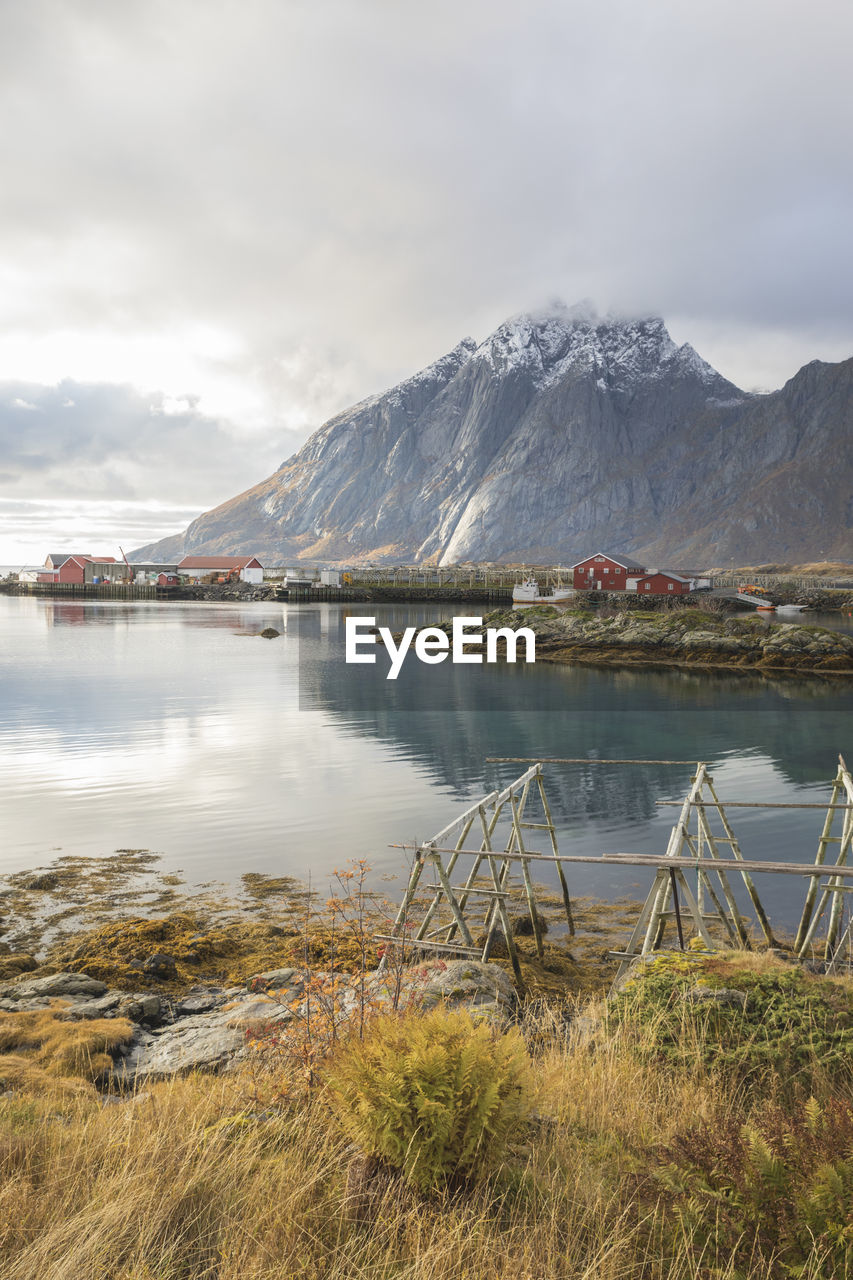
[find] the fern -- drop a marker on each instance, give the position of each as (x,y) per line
(434,1096)
(777,1189)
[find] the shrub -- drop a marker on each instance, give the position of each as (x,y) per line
(435,1096)
(779,1188)
(795,1026)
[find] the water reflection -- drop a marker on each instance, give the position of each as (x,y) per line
(175,727)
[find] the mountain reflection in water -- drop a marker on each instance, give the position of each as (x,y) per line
(176,728)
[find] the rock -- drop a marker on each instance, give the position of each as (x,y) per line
(725,997)
(193,1044)
(210,1041)
(55,984)
(483,989)
(199,1002)
(716,643)
(160,966)
(274,978)
(82,1010)
(252,1013)
(143,1006)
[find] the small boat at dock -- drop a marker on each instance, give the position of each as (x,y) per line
(527,592)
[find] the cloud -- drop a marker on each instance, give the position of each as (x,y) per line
(101,453)
(371,180)
(262,212)
(30,528)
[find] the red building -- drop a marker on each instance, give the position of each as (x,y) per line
(663,583)
(77,568)
(603,572)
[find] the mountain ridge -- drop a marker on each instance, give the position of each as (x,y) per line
(559,432)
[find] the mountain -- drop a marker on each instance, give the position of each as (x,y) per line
(562,433)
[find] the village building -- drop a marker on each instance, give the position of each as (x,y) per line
(661,583)
(246,568)
(604,572)
(80,569)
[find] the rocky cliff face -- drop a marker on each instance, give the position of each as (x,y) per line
(562,433)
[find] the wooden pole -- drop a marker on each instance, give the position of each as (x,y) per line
(724,880)
(674,887)
(567,902)
(747,878)
(504,918)
(837,899)
(517,810)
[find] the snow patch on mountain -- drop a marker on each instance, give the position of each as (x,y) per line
(551,345)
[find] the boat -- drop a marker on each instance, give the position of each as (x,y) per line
(527,592)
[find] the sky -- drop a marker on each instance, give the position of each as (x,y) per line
(223,221)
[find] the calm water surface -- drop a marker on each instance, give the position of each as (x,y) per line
(175,728)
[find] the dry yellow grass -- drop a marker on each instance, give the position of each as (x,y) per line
(161,1187)
(196,1179)
(62,1048)
(193,1180)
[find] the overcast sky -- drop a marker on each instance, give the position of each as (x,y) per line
(223,220)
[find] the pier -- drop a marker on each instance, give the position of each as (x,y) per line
(88,591)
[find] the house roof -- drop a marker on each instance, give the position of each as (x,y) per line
(625,562)
(665,573)
(58,558)
(219,562)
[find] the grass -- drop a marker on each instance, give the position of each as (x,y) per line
(635,1165)
(61,1048)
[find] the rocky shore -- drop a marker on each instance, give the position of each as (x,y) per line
(214,1028)
(683,638)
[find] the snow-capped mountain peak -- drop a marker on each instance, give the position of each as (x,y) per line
(562,430)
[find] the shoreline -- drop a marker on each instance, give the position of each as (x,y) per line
(824,600)
(692,639)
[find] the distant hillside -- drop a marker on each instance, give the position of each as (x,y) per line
(563,432)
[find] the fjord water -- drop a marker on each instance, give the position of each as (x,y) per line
(176,728)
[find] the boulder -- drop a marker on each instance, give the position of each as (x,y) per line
(192,1044)
(253,1013)
(210,1041)
(200,1000)
(72,985)
(160,966)
(142,1006)
(83,1010)
(275,979)
(483,989)
(724,997)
